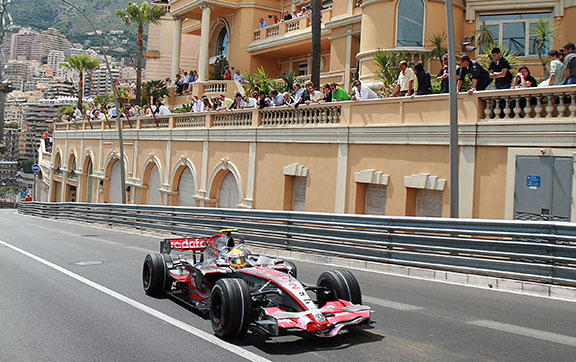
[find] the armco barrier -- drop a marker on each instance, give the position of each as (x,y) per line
(530,251)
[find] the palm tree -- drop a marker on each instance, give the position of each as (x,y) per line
(484,37)
(140,14)
(82,64)
(316,40)
(542,33)
(436,43)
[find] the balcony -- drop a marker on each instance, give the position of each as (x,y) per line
(551,104)
(286,32)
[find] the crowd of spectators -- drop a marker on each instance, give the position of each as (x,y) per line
(285,16)
(417,81)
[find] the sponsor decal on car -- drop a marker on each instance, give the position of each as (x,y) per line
(190,244)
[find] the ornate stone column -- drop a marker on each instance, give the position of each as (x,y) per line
(204,43)
(176,45)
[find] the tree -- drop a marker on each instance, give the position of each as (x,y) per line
(436,43)
(140,14)
(82,64)
(155,89)
(484,37)
(541,33)
(316,40)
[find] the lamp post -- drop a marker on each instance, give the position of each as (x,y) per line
(116,104)
(454,182)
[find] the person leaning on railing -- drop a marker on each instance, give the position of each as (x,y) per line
(557,70)
(338,94)
(479,76)
(570,62)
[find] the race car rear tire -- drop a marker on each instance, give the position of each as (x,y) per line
(230,308)
(155,279)
(338,284)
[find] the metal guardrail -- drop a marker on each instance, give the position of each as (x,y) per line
(8,205)
(535,251)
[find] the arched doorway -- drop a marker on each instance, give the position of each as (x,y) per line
(153,195)
(57,179)
(221,45)
(228,193)
(72,180)
(88,181)
(115,184)
(186,186)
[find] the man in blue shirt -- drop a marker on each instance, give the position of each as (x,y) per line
(263,24)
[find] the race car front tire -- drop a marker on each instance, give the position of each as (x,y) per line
(230,308)
(293,268)
(154,275)
(338,284)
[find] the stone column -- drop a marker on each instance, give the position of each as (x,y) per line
(347,63)
(176,45)
(204,43)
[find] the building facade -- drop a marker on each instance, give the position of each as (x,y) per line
(9,157)
(38,118)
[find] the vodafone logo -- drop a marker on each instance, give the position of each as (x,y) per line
(188,243)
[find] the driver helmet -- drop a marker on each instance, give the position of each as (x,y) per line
(236,259)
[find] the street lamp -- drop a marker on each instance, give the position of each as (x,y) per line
(119,120)
(454,174)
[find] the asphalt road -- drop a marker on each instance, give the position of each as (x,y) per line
(72,292)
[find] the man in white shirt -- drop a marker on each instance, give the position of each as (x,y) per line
(405,84)
(197,107)
(77,115)
(226,102)
(162,110)
(362,92)
(276,99)
(238,77)
(298,92)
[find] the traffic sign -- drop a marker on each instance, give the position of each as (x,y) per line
(35,169)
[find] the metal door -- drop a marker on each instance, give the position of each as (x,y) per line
(543,189)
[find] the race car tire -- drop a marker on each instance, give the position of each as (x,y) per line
(294,271)
(154,274)
(230,308)
(338,284)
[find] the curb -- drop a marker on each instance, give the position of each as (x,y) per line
(476,281)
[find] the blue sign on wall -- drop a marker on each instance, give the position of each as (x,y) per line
(533,182)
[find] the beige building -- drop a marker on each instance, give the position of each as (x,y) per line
(353,30)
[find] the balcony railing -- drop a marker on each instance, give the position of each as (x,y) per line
(290,26)
(550,103)
(530,103)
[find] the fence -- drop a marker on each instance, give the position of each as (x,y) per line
(535,251)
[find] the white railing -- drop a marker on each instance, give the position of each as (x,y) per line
(150,122)
(215,87)
(293,25)
(190,120)
(531,103)
(257,34)
(272,30)
(308,115)
(233,119)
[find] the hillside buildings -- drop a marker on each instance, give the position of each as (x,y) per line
(8,158)
(37,119)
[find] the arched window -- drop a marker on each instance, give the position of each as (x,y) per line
(186,189)
(115,192)
(222,42)
(410,23)
(154,183)
(228,195)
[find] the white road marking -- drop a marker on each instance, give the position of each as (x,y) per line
(389,304)
(138,248)
(153,312)
(527,332)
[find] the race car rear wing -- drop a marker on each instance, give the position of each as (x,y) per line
(182,244)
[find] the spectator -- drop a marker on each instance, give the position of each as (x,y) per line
(442,76)
(327,93)
(263,24)
(557,70)
(131,111)
(362,92)
(178,84)
(294,14)
(288,98)
(298,91)
(167,82)
(77,115)
(423,77)
(263,102)
(216,104)
(570,62)
(226,102)
(523,79)
(206,105)
(161,109)
(186,82)
(112,112)
(276,99)
(314,96)
(227,74)
(238,102)
(338,94)
(250,102)
(238,77)
(275,19)
(195,76)
(479,76)
(303,11)
(197,104)
(500,70)
(287,15)
(405,83)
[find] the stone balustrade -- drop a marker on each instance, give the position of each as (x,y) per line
(530,103)
(290,26)
(550,103)
(215,87)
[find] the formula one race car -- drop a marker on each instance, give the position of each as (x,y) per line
(241,290)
